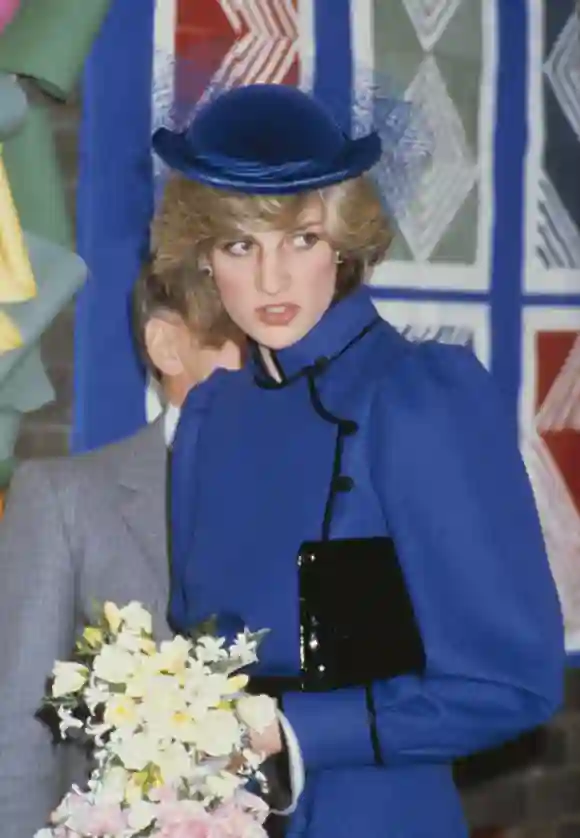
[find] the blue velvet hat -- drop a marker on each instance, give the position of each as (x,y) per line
(266,139)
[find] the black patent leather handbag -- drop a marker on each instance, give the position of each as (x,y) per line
(357,622)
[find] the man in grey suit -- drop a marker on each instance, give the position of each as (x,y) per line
(90,528)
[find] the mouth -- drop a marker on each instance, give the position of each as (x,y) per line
(280,314)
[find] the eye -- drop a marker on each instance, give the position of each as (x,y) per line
(237,248)
(305,240)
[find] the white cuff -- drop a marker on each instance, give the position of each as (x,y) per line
(296,764)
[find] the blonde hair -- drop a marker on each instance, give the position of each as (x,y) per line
(193,215)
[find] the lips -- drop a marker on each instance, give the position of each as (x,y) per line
(279,314)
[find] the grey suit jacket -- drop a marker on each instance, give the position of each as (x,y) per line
(76,531)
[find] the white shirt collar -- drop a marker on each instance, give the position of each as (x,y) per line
(170,422)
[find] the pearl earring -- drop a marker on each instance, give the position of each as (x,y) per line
(338,258)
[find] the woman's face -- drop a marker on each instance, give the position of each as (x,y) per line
(276,285)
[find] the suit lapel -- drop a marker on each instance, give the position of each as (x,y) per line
(143,480)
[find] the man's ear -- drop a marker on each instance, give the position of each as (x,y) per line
(162,345)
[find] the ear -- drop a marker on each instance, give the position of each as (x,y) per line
(162,344)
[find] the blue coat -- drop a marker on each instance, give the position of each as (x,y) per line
(433,462)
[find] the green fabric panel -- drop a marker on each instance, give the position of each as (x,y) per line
(59,273)
(6,471)
(26,387)
(13,106)
(49,40)
(36,180)
(9,425)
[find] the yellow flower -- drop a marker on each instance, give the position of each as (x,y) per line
(134,788)
(93,636)
(237,683)
(148,646)
(112,616)
(182,727)
(174,655)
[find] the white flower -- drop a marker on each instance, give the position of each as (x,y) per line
(67,722)
(167,715)
(95,695)
(256,711)
(113,784)
(136,750)
(141,814)
(121,711)
(114,665)
(174,763)
(210,649)
(193,677)
(224,785)
(160,694)
(97,732)
(136,618)
(218,733)
(244,650)
(68,678)
(209,691)
(173,655)
(67,806)
(129,641)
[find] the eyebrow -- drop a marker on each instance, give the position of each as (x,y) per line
(307,224)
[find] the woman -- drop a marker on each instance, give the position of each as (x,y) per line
(340,432)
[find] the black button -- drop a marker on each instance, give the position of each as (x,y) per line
(343,483)
(320,363)
(349,427)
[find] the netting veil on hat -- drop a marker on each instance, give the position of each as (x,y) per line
(274,139)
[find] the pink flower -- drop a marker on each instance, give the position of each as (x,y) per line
(8,9)
(163,794)
(252,803)
(99,820)
(193,828)
(182,819)
(232,821)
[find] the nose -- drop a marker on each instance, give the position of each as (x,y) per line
(272,275)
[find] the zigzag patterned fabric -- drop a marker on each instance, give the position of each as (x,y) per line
(488,250)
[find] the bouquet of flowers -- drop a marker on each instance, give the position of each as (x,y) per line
(169,724)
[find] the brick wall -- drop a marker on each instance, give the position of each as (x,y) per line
(529,789)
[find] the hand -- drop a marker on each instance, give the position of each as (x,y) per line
(267,742)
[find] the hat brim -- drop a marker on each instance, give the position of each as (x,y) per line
(359,156)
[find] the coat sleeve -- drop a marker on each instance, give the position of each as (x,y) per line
(37,595)
(457,501)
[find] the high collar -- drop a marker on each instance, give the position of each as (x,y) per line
(340,326)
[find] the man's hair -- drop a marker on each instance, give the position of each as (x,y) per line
(188,291)
(195,214)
